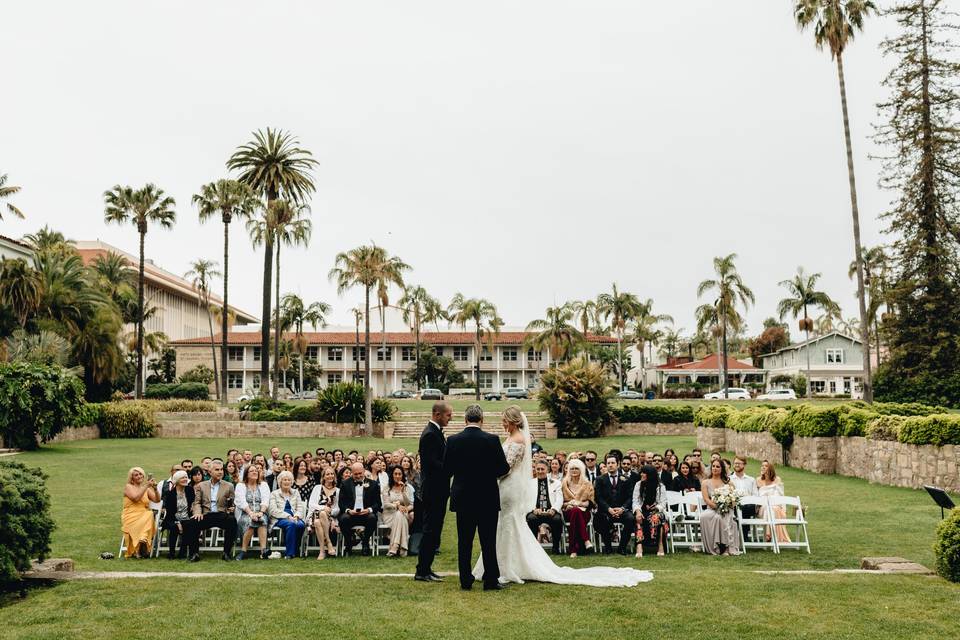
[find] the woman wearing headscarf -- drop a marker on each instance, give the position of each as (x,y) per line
(650,511)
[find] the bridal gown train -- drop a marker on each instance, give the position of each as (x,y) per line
(519,554)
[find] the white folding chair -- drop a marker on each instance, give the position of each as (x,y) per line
(756,526)
(676,531)
(691,505)
(155,549)
(798,541)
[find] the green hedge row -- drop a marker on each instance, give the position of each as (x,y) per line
(184,390)
(343,402)
(656,413)
(133,418)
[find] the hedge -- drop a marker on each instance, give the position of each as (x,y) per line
(936,430)
(899,408)
(127,420)
(342,403)
(89,414)
(25,522)
(713,416)
(853,422)
(884,427)
(185,390)
(947,547)
(655,413)
(757,419)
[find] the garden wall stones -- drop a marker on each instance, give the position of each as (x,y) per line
(754,444)
(650,429)
(710,439)
(76,433)
(205,428)
(814,454)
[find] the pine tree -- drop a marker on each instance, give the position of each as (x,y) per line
(920,127)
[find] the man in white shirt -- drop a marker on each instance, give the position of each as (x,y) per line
(745,486)
(590,462)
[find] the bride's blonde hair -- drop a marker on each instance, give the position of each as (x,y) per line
(514,416)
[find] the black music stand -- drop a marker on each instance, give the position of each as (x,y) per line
(940,497)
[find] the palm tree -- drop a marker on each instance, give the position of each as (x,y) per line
(21,288)
(115,275)
(620,308)
(142,207)
(367,266)
(274,167)
(729,289)
(231,199)
(586,314)
(804,294)
(835,23)
(671,342)
(876,275)
(556,333)
(5,192)
(295,314)
(200,274)
(646,333)
(418,307)
(487,322)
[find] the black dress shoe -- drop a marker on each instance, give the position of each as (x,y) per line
(227,556)
(428,578)
(366,551)
(436,577)
(623,551)
(195,557)
(494,587)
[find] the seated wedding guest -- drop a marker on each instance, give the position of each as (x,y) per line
(378,472)
(287,462)
(322,512)
(213,507)
(720,533)
(274,458)
(397,504)
(667,472)
(319,452)
(613,494)
(667,453)
(137,520)
(634,459)
(286,512)
(313,469)
(359,506)
(590,466)
(177,505)
(196,476)
(650,510)
(205,463)
(697,470)
(303,481)
(345,474)
(626,471)
(686,482)
(746,486)
(727,466)
(252,500)
(167,484)
(578,504)
(556,470)
(338,455)
(769,485)
(230,472)
(548,506)
(186,465)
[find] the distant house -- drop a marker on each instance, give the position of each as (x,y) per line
(836,364)
(679,372)
(11,249)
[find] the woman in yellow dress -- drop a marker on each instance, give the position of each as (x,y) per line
(137,520)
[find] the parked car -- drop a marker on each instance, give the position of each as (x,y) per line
(518,393)
(733,393)
(431,394)
(401,394)
(310,394)
(778,394)
(628,394)
(493,395)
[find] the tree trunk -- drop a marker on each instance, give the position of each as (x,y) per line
(276,329)
(213,345)
(301,354)
(356,357)
(224,312)
(367,400)
(383,345)
(620,360)
(723,337)
(138,387)
(876,336)
(265,316)
(416,355)
(858,248)
(807,332)
(476,359)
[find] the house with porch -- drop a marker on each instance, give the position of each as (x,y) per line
(836,364)
(705,374)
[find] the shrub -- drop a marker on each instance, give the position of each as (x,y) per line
(947,547)
(713,416)
(853,422)
(343,402)
(89,413)
(937,430)
(186,390)
(656,413)
(200,373)
(255,404)
(383,410)
(127,420)
(576,396)
(36,400)
(177,405)
(756,419)
(884,427)
(907,408)
(270,415)
(304,413)
(799,385)
(813,422)
(25,522)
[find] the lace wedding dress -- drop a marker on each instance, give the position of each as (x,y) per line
(519,554)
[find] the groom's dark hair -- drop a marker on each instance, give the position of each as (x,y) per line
(473,414)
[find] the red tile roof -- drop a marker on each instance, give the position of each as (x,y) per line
(393,338)
(710,363)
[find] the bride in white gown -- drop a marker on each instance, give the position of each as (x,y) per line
(519,554)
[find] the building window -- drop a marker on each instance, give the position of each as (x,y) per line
(334,378)
(357,377)
(255,383)
(234,380)
(335,354)
(407,354)
(486,355)
(384,353)
(486,380)
(460,354)
(359,353)
(833,386)
(313,354)
(834,356)
(510,354)
(256,354)
(817,386)
(533,380)
(235,354)
(534,356)
(510,380)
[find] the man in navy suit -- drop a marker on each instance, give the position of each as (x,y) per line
(475,460)
(435,485)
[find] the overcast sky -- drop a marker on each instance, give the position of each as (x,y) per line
(530,152)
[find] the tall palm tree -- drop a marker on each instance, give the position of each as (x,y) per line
(419,307)
(487,322)
(804,294)
(835,23)
(367,266)
(294,313)
(876,278)
(556,333)
(730,290)
(586,314)
(115,275)
(5,192)
(200,275)
(620,307)
(231,199)
(141,207)
(274,167)
(21,288)
(646,332)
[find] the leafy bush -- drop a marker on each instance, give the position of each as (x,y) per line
(343,402)
(383,410)
(884,427)
(901,408)
(89,414)
(186,390)
(255,404)
(25,522)
(178,405)
(713,416)
(656,413)
(303,413)
(576,396)
(36,400)
(947,547)
(270,415)
(756,419)
(937,430)
(799,385)
(853,422)
(127,420)
(200,373)
(927,387)
(813,422)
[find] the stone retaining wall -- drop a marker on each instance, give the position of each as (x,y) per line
(650,429)
(254,429)
(77,433)
(879,461)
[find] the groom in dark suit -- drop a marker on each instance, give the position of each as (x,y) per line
(475,461)
(435,485)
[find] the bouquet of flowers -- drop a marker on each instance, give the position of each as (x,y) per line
(727,499)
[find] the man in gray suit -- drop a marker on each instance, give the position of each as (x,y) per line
(213,507)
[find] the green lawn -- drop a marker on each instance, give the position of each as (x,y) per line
(849,519)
